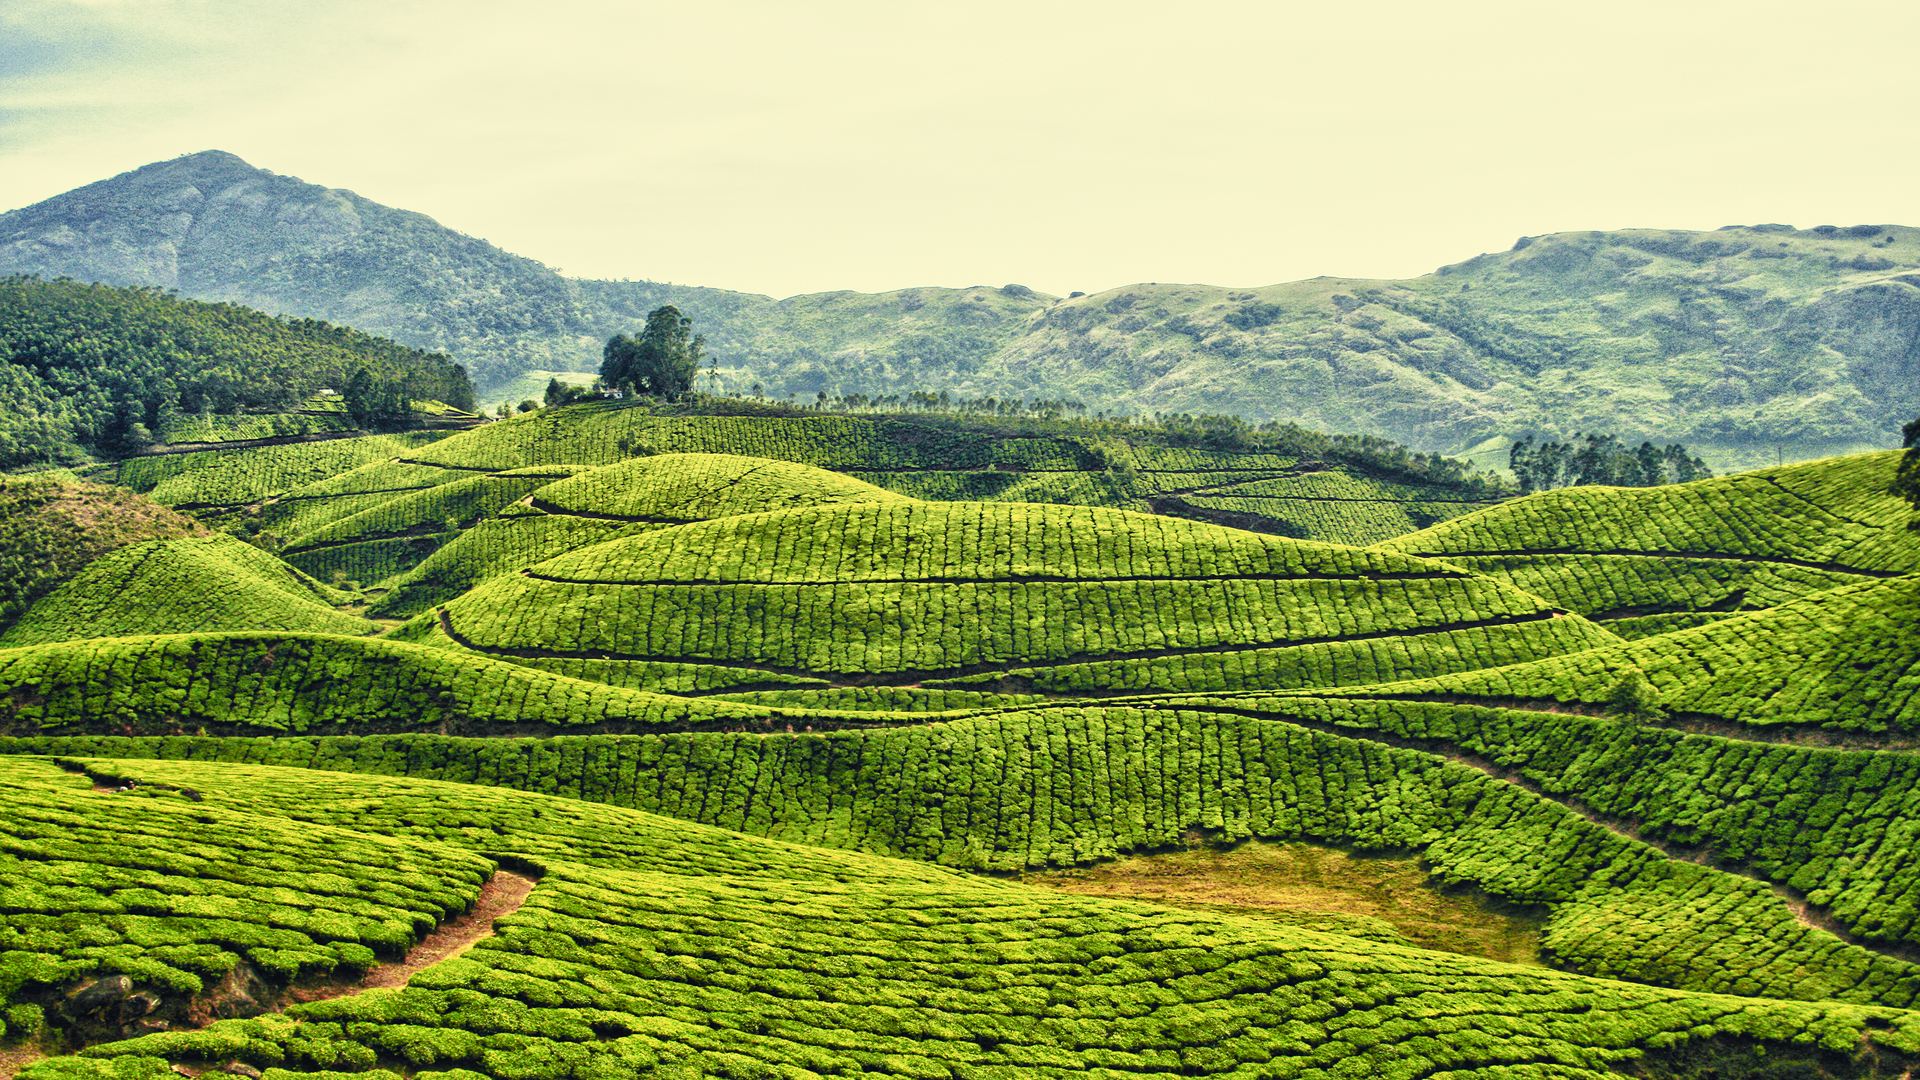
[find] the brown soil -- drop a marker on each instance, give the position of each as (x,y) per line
(1328,889)
(17,1058)
(503,895)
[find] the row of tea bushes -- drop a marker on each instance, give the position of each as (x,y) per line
(1061,786)
(175,895)
(1839,514)
(263,682)
(677,488)
(235,477)
(436,509)
(1325,664)
(1841,659)
(1068,488)
(183,586)
(1641,585)
(499,822)
(499,545)
(1349,521)
(917,541)
(1338,485)
(608,973)
(1833,825)
(216,428)
(878,627)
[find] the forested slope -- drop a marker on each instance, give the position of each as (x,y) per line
(109,371)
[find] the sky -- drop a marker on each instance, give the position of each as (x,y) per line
(785,148)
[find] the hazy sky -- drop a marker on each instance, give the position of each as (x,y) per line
(798,147)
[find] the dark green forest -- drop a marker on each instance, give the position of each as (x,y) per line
(93,370)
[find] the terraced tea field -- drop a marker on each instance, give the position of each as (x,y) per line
(811,747)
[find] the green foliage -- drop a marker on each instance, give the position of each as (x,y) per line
(1633,698)
(115,365)
(1736,543)
(175,893)
(952,591)
(183,586)
(652,944)
(661,362)
(51,529)
(1602,460)
(1840,660)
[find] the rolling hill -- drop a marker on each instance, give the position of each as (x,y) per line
(1749,342)
(728,743)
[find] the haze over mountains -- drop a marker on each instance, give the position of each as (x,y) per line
(1740,340)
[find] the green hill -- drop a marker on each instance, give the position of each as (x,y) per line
(952,596)
(238,831)
(51,529)
(1650,560)
(834,963)
(183,586)
(1747,342)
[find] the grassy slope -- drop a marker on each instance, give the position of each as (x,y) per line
(951,594)
(385,488)
(51,529)
(183,586)
(836,961)
(1656,559)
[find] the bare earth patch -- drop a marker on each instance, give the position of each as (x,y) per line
(1380,898)
(17,1058)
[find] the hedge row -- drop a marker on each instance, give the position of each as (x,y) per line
(696,487)
(233,477)
(1357,523)
(461,502)
(496,546)
(1638,585)
(278,682)
(1842,659)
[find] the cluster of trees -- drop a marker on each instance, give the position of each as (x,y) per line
(1601,459)
(661,362)
(93,369)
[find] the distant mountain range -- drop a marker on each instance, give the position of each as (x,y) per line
(1744,339)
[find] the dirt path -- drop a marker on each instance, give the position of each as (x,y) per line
(14,1060)
(501,896)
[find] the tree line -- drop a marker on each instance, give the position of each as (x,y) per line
(1601,459)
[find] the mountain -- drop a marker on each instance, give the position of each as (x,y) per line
(1746,341)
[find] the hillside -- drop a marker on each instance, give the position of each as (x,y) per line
(1748,342)
(110,371)
(744,745)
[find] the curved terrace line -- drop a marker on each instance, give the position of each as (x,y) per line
(1042,579)
(1704,556)
(992,668)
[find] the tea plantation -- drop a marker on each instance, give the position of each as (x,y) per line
(776,711)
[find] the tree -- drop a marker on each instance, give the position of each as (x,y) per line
(1906,482)
(1633,698)
(375,404)
(661,362)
